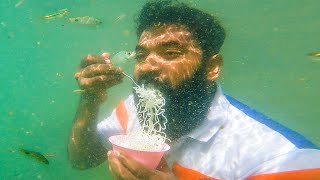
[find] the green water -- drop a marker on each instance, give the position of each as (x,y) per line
(266,66)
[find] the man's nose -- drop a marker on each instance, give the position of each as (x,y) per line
(153,61)
(150,67)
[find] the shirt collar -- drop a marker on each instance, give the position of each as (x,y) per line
(215,119)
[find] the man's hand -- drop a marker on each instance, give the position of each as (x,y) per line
(125,168)
(96,74)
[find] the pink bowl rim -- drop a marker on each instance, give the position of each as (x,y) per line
(165,148)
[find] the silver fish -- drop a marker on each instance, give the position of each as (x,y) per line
(86,20)
(314,56)
(122,57)
(60,14)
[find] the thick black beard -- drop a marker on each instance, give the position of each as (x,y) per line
(186,106)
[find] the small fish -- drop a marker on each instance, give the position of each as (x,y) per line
(19,3)
(317,54)
(120,18)
(122,57)
(60,14)
(314,56)
(86,20)
(36,155)
(80,91)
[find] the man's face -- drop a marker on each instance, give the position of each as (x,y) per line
(169,60)
(167,55)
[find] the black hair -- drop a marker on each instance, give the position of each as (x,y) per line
(205,28)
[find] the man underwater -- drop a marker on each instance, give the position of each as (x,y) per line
(213,135)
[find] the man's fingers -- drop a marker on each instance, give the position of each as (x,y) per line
(86,83)
(98,69)
(94,69)
(136,168)
(117,168)
(100,81)
(105,56)
(94,59)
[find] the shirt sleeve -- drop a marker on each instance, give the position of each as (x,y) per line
(297,164)
(122,120)
(108,127)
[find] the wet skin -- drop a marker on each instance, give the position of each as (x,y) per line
(168,53)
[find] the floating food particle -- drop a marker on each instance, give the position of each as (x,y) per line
(59,74)
(10,113)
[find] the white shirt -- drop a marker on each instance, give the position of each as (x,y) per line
(228,144)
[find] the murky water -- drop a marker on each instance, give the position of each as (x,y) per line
(266,66)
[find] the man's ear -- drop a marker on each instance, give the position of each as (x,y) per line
(214,67)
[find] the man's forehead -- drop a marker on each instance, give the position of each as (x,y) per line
(165,33)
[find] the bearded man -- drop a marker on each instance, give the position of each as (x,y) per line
(213,136)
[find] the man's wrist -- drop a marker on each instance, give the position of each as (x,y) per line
(94,97)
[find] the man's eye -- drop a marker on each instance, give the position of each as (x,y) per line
(170,54)
(140,57)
